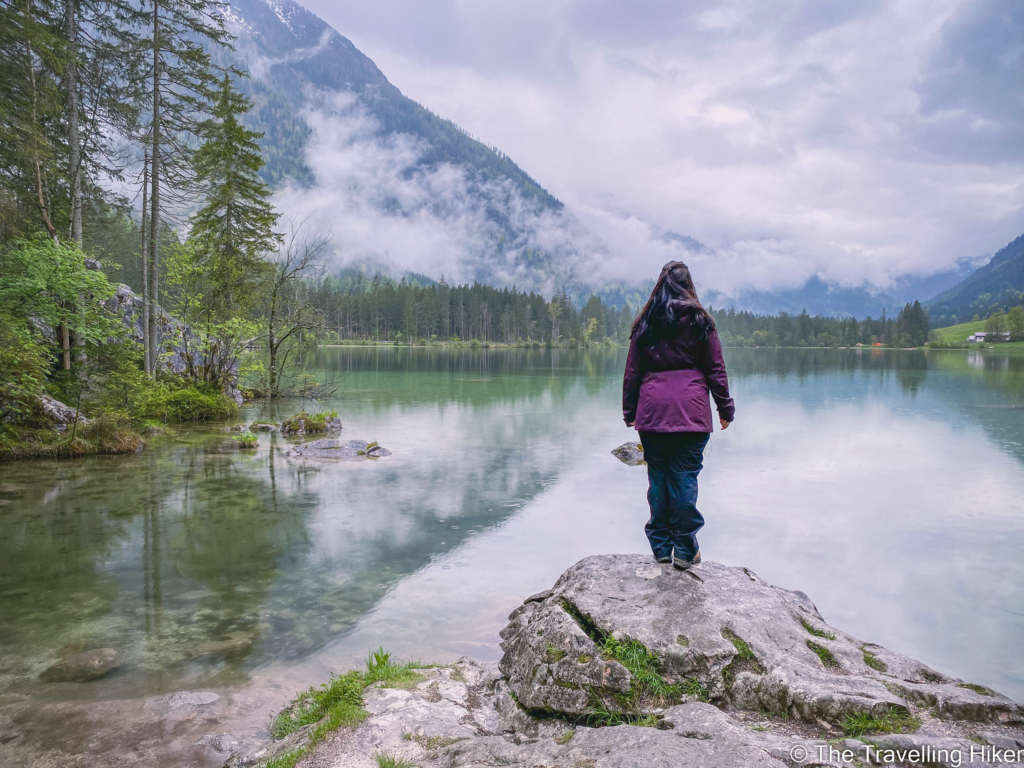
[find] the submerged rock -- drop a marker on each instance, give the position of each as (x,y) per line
(82,667)
(262,426)
(338,449)
(630,453)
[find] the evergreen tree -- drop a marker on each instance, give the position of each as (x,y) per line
(234,228)
(181,87)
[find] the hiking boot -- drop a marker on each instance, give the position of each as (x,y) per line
(666,559)
(696,559)
(679,562)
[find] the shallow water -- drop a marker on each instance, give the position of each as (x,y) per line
(887,485)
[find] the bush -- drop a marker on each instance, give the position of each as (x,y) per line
(22,371)
(188,403)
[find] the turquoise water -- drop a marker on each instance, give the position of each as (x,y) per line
(887,485)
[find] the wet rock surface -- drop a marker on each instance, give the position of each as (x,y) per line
(768,698)
(630,453)
(329,448)
(82,667)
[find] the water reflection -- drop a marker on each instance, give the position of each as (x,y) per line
(859,476)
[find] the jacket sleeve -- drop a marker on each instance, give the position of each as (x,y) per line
(717,378)
(631,382)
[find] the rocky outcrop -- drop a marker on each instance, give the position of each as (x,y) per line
(338,449)
(625,663)
(720,634)
(82,667)
(630,453)
(60,415)
(174,337)
(309,423)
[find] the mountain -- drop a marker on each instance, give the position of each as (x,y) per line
(404,189)
(291,54)
(997,285)
(823,297)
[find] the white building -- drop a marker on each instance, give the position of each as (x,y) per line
(981,336)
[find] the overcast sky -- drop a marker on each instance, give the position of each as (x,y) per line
(858,139)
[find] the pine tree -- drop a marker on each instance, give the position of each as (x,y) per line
(234,228)
(181,87)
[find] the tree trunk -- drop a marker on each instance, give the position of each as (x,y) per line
(74,137)
(145,263)
(154,201)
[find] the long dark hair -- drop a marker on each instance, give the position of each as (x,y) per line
(673,299)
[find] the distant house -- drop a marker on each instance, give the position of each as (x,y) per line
(981,336)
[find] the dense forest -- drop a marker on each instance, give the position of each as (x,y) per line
(379,309)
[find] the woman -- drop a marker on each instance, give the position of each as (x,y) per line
(675,358)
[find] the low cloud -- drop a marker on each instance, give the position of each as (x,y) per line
(857,141)
(381,206)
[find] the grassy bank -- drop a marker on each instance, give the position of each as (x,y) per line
(106,434)
(337,703)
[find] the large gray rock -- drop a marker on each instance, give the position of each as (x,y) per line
(630,453)
(61,415)
(329,448)
(747,644)
(82,667)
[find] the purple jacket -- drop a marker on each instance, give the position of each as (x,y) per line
(665,388)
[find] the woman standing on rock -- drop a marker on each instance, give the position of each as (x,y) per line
(675,358)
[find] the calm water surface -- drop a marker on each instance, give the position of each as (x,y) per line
(889,486)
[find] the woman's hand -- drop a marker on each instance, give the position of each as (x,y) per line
(725,424)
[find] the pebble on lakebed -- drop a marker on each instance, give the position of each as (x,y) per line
(82,667)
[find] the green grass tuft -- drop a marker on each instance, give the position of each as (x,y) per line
(873,661)
(338,703)
(565,738)
(976,688)
(387,760)
(553,654)
(814,630)
(649,687)
(896,720)
(742,649)
(824,654)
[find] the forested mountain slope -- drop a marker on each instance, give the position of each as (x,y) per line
(999,285)
(291,54)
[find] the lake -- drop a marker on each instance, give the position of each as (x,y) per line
(888,485)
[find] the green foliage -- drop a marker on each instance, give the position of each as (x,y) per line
(997,286)
(23,364)
(247,440)
(234,228)
(178,404)
(894,720)
(48,282)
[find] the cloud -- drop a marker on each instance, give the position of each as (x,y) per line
(855,140)
(380,205)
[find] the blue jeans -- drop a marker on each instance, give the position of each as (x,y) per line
(674,459)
